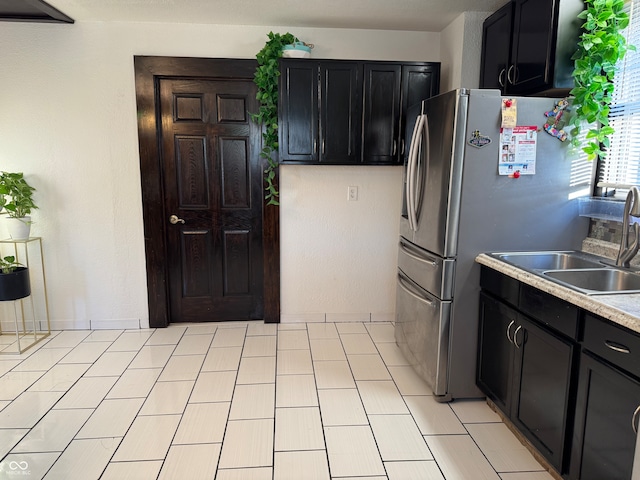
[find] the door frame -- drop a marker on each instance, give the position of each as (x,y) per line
(148,72)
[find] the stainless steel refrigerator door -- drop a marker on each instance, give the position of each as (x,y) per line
(422,333)
(437,175)
(432,273)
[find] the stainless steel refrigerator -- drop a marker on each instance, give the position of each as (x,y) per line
(456,205)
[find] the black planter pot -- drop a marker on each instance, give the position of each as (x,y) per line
(15,285)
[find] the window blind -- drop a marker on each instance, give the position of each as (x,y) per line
(621,167)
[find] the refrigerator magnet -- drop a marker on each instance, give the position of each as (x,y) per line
(509,112)
(478,140)
(554,123)
(518,150)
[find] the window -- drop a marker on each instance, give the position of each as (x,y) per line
(621,168)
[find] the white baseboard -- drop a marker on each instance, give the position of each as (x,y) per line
(302,318)
(348,317)
(383,317)
(336,317)
(125,324)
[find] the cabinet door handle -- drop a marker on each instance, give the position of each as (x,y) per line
(323,149)
(509,79)
(617,347)
(509,329)
(634,424)
(402,147)
(315,146)
(394,148)
(515,336)
(500,77)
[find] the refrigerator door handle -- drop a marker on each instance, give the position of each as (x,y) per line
(406,288)
(416,139)
(407,250)
(420,164)
(409,190)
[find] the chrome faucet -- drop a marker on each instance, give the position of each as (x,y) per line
(631,208)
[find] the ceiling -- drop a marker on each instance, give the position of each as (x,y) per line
(411,15)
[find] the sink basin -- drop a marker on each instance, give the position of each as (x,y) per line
(549,260)
(597,281)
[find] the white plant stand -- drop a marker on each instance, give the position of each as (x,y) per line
(30,323)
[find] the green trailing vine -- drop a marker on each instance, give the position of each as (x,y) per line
(266,79)
(600,48)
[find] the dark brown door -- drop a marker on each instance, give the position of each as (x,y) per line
(212,199)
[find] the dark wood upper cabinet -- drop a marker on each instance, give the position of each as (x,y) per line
(496,46)
(320,111)
(349,112)
(389,89)
(527,47)
(381,112)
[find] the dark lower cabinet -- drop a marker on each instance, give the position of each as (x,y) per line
(495,362)
(526,370)
(604,440)
(542,388)
(607,404)
(567,379)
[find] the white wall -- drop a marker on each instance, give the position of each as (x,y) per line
(68,120)
(460,44)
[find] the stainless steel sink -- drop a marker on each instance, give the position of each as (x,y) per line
(580,271)
(549,260)
(597,281)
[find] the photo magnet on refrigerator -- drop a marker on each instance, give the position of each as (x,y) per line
(478,140)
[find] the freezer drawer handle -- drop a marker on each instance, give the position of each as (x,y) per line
(404,248)
(509,329)
(617,347)
(634,424)
(414,295)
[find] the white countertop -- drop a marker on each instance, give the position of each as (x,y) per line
(623,309)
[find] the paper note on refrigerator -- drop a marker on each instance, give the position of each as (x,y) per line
(518,150)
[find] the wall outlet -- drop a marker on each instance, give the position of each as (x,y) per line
(352,194)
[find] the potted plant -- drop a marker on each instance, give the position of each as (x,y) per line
(602,45)
(266,79)
(16,198)
(14,279)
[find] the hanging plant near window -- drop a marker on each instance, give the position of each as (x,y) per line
(600,48)
(266,79)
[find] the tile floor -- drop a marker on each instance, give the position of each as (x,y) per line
(240,401)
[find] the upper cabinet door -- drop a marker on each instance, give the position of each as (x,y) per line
(496,45)
(419,82)
(535,24)
(298,111)
(340,112)
(381,112)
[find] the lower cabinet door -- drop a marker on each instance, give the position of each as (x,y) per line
(541,388)
(604,438)
(495,351)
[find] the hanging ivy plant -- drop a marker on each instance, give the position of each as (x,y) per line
(266,79)
(600,48)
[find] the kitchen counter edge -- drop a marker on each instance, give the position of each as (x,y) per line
(622,309)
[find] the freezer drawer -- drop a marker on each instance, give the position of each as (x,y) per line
(422,332)
(432,273)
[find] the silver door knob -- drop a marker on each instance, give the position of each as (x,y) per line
(173,219)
